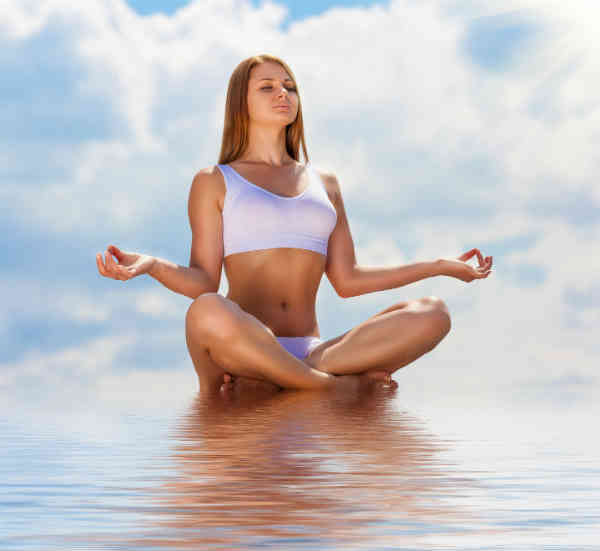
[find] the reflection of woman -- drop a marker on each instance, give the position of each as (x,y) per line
(277,226)
(298,467)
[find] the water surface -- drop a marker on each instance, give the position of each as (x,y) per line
(299,470)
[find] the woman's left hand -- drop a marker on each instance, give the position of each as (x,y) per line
(458,267)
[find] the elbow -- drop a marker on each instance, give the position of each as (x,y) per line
(211,291)
(343,282)
(347,289)
(344,292)
(206,289)
(203,290)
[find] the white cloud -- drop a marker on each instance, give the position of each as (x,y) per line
(28,299)
(159,304)
(435,154)
(69,369)
(41,300)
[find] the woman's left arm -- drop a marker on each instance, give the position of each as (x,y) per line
(367,279)
(349,279)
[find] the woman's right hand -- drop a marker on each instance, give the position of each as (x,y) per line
(129,264)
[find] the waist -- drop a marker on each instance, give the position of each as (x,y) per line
(285,320)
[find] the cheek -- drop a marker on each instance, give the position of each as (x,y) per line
(257,103)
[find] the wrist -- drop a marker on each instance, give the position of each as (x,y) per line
(154,267)
(439,266)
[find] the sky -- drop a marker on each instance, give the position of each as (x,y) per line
(296,10)
(450,124)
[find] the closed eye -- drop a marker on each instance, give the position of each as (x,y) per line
(291,89)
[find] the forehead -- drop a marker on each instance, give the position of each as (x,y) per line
(269,70)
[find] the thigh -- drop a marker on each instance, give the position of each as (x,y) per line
(223,338)
(318,351)
(212,317)
(387,340)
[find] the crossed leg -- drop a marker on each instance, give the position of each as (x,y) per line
(222,338)
(386,341)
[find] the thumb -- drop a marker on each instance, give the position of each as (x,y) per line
(116,251)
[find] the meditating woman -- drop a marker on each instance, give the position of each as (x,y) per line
(277,225)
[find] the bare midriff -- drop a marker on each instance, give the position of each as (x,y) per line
(278,287)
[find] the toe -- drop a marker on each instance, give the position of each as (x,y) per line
(382,376)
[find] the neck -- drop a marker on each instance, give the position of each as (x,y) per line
(266,144)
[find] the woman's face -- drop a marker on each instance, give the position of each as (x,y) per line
(269,88)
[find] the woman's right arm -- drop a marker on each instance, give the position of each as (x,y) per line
(206,259)
(189,281)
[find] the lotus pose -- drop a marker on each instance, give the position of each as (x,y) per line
(277,225)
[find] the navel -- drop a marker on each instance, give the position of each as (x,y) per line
(284,305)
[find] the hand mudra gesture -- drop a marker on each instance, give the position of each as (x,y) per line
(458,267)
(129,264)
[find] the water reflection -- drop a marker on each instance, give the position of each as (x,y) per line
(301,470)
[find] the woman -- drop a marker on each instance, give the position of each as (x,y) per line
(277,226)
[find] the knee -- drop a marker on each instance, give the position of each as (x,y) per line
(208,315)
(440,316)
(434,303)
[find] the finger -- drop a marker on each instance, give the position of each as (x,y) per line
(100,264)
(116,251)
(117,270)
(109,264)
(465,256)
(469,254)
(108,259)
(479,257)
(473,252)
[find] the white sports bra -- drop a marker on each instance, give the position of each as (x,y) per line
(255,218)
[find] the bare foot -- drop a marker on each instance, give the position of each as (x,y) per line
(246,385)
(369,379)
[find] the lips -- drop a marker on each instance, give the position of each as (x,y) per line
(284,106)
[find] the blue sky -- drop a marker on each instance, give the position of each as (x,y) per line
(296,9)
(466,126)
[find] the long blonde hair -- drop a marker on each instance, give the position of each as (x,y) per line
(237,120)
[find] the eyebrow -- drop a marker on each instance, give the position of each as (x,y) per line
(269,78)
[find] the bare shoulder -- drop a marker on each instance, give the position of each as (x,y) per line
(209,183)
(330,182)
